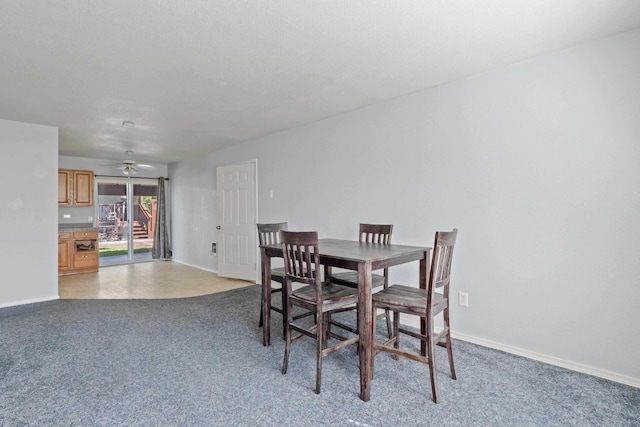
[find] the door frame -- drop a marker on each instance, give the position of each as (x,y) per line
(129,182)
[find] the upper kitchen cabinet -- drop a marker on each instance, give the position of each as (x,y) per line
(75,187)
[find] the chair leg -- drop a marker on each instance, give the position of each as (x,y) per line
(450,353)
(287,334)
(432,365)
(285,312)
(396,332)
(358,329)
(449,348)
(387,315)
(287,350)
(374,326)
(327,328)
(320,338)
(260,321)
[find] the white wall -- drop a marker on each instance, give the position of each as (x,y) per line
(193,211)
(28,253)
(537,164)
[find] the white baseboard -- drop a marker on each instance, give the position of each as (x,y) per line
(544,358)
(28,301)
(257,281)
(195,266)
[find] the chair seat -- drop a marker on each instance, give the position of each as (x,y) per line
(331,294)
(350,278)
(408,299)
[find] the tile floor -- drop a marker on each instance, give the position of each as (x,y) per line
(147,280)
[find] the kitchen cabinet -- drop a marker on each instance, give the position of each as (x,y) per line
(65,251)
(75,187)
(77,251)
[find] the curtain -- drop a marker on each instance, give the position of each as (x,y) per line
(161,244)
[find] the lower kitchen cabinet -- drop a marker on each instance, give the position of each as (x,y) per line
(65,251)
(77,252)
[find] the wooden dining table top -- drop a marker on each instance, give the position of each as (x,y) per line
(352,252)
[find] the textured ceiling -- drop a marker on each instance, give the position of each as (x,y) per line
(196,76)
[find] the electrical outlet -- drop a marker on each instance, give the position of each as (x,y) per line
(463,299)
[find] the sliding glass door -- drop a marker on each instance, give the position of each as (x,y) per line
(126,213)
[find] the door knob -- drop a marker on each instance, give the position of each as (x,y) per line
(218,228)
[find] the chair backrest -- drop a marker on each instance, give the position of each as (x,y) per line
(440,274)
(269,234)
(300,250)
(375,233)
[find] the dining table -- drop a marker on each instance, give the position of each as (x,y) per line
(363,258)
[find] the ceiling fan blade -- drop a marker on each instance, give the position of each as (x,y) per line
(129,166)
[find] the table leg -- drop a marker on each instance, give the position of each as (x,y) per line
(266,297)
(327,273)
(366,333)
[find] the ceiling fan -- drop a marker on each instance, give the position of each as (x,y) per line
(130,166)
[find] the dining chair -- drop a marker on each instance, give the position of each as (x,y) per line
(369,234)
(270,234)
(425,303)
(302,265)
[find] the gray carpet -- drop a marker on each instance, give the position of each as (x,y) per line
(199,361)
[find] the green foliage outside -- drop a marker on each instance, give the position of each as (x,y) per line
(146,202)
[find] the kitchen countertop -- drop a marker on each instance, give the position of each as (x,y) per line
(76,226)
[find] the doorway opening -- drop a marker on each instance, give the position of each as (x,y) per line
(126,213)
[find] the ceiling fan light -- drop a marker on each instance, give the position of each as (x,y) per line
(130,167)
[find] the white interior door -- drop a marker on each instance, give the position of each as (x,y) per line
(236,205)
